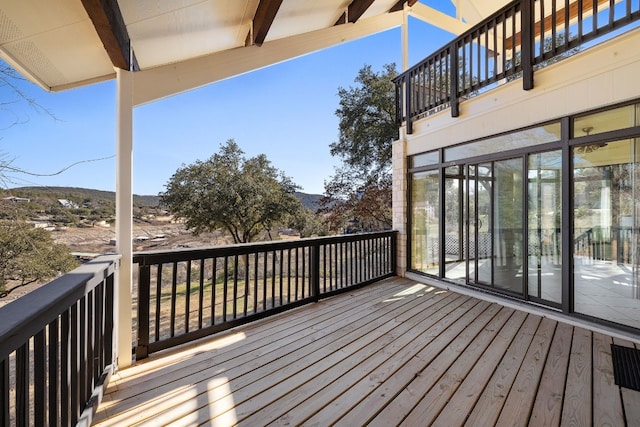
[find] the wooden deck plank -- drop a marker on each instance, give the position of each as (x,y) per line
(284,353)
(520,400)
(547,407)
(245,345)
(395,352)
(267,382)
(455,412)
(354,377)
(488,408)
(331,366)
(576,409)
(397,384)
(438,381)
(607,403)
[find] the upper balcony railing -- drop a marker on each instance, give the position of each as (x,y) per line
(513,42)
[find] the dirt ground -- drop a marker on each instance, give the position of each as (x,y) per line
(158,236)
(101,240)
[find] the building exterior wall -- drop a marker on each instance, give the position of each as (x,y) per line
(567,179)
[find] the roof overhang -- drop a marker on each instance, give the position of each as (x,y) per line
(178,45)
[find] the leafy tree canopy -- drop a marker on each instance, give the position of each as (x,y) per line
(358,195)
(367,126)
(243,196)
(29,255)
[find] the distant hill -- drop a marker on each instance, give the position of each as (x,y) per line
(78,194)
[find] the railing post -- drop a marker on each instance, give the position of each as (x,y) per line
(453,80)
(314,271)
(144,294)
(527,40)
(407,102)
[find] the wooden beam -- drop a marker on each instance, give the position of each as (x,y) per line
(547,23)
(262,20)
(356,9)
(438,19)
(110,26)
(166,80)
(400,5)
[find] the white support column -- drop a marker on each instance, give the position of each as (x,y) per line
(399,167)
(405,38)
(124,215)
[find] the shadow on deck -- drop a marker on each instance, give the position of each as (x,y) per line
(396,352)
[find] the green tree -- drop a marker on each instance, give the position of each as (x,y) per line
(358,195)
(29,255)
(242,196)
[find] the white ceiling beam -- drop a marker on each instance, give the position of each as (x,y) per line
(167,80)
(438,19)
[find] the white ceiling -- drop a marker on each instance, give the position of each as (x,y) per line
(56,45)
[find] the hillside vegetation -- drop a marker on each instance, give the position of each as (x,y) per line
(72,206)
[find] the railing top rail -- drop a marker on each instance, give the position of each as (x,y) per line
(23,318)
(157,257)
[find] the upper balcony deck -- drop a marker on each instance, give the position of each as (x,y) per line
(393,353)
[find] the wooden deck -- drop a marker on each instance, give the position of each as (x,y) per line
(394,353)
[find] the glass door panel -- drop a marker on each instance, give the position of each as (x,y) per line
(508,224)
(484,242)
(605,226)
(425,213)
(545,230)
(454,250)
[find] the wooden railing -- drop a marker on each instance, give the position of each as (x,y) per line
(56,348)
(511,43)
(187,294)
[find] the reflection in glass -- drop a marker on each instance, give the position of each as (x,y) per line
(545,227)
(507,230)
(524,138)
(484,242)
(425,252)
(605,121)
(605,226)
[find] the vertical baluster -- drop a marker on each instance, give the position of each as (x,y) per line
(246,284)
(158,301)
(273,277)
(235,286)
(225,276)
(89,362)
(4,392)
(74,350)
(187,297)
(201,294)
(289,275)
(594,30)
(174,290)
(22,385)
(54,360)
(39,369)
(256,267)
(214,285)
(65,367)
(304,275)
(264,284)
(82,365)
(567,19)
(324,269)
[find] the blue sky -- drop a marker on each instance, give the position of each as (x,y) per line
(286,111)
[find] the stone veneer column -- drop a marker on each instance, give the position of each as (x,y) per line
(399,198)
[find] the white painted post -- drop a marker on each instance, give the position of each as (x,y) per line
(124,216)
